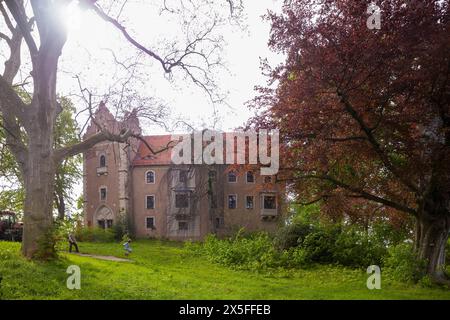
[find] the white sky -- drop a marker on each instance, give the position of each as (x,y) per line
(85,54)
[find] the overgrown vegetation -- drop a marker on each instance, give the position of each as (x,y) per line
(308,240)
(164,270)
(95,235)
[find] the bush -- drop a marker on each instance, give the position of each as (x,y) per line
(299,257)
(404,263)
(121,227)
(46,245)
(355,247)
(292,235)
(253,252)
(95,234)
(320,245)
(347,245)
(301,243)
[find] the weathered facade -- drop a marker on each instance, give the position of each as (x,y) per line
(127,182)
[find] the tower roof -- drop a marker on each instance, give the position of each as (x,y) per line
(157,142)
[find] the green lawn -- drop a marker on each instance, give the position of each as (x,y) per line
(163,270)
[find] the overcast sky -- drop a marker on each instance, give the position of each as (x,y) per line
(87,53)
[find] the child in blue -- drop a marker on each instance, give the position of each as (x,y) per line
(127,247)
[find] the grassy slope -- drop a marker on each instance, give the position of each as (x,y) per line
(162,270)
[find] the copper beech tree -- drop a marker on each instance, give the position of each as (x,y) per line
(363,112)
(35,29)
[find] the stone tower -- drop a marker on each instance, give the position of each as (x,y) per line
(107,169)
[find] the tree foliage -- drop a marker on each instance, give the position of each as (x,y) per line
(364,113)
(68,173)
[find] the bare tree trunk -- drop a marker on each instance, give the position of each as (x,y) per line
(38,220)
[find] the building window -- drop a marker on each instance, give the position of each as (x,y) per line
(183,177)
(150,177)
(102,161)
(103,194)
(182,225)
(105,224)
(150,202)
(232,201)
(150,222)
(232,177)
(250,177)
(269,202)
(218,223)
(212,175)
(267,179)
(181,200)
(249,202)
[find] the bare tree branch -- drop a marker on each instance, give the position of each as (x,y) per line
(18,12)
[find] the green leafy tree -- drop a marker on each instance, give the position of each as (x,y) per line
(68,172)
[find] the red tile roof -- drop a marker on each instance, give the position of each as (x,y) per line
(157,142)
(145,157)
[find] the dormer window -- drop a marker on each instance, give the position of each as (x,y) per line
(102,161)
(150,176)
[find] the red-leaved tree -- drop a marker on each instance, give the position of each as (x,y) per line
(364,112)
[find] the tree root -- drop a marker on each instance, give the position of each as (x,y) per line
(441,280)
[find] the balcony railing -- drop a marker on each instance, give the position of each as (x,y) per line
(102,170)
(182,216)
(269,212)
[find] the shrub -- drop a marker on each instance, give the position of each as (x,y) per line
(46,245)
(122,227)
(320,245)
(299,257)
(355,247)
(95,234)
(404,263)
(388,235)
(252,252)
(302,243)
(292,235)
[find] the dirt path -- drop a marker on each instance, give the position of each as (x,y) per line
(108,258)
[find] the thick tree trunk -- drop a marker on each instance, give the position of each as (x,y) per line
(39,178)
(431,238)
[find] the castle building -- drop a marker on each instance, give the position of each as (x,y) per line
(127,183)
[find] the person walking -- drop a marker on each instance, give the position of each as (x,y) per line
(73,242)
(127,247)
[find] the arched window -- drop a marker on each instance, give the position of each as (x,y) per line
(150,176)
(102,161)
